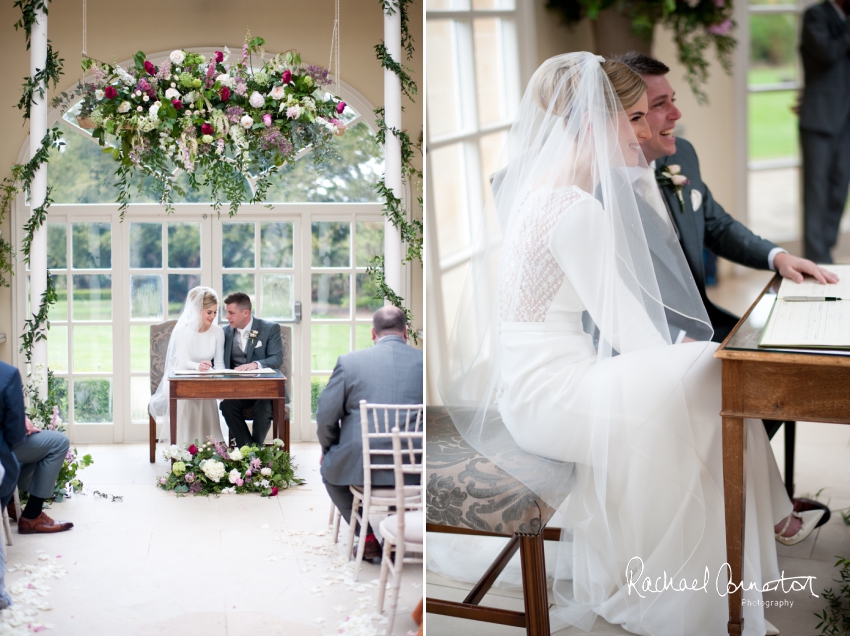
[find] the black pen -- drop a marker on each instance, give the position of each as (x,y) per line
(810,298)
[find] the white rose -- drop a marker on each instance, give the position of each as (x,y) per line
(265,472)
(293,112)
(98,94)
(679,179)
(177,57)
(674,168)
(172,93)
(146,98)
(124,107)
(154,110)
(235,454)
(278,93)
(139,108)
(256,100)
(224,80)
(234,475)
(246,121)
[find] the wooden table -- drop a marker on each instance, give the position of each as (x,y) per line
(239,387)
(773,384)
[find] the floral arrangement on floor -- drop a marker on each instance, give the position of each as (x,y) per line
(221,123)
(214,469)
(67,481)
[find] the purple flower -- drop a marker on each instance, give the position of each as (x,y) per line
(239,482)
(190,478)
(318,74)
(241,87)
(234,114)
(267,120)
(196,487)
(720,29)
(256,463)
(248,473)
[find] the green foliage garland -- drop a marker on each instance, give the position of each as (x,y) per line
(411,231)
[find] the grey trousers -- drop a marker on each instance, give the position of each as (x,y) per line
(41,456)
(344,501)
(826,177)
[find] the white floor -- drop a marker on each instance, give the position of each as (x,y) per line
(822,458)
(156,564)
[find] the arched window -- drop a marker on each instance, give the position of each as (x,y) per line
(310,247)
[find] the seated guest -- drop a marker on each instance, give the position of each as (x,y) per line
(31,457)
(249,343)
(388,373)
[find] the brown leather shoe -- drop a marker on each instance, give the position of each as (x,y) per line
(42,523)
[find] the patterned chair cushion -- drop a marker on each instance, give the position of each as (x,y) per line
(467,490)
(160,335)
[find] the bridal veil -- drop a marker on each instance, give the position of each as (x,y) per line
(626,454)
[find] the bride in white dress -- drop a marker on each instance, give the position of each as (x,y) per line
(197,344)
(577,251)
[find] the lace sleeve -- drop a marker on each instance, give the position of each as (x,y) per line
(582,244)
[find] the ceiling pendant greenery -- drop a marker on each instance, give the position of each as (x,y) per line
(221,123)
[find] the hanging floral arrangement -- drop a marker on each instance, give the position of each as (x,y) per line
(221,123)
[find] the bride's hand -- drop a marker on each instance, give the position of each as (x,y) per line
(204,366)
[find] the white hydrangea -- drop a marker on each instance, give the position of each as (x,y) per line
(309,104)
(234,476)
(190,97)
(235,454)
(277,441)
(125,77)
(177,57)
(213,469)
(229,491)
(264,483)
(171,451)
(256,100)
(172,93)
(124,107)
(266,471)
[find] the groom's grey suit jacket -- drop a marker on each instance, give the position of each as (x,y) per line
(388,373)
(709,225)
(266,348)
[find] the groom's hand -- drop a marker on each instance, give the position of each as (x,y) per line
(247,367)
(794,267)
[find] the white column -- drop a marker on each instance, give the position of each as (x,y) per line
(38,191)
(392,149)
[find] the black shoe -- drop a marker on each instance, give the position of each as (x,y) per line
(802,504)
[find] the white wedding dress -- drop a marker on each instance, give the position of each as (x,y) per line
(551,383)
(198,419)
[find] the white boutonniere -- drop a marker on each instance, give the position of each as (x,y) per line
(672,175)
(252,334)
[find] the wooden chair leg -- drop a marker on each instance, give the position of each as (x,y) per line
(152,436)
(790,438)
(534,585)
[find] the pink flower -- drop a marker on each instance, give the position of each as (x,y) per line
(224,93)
(150,68)
(267,120)
(193,450)
(720,29)
(206,129)
(286,77)
(247,473)
(219,57)
(274,492)
(239,482)
(162,480)
(340,107)
(109,92)
(719,3)
(177,104)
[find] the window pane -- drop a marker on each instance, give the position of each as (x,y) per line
(237,283)
(92,348)
(140,348)
(57,246)
(370,241)
(92,297)
(93,401)
(59,311)
(331,295)
(140,395)
(327,343)
(92,245)
(362,336)
(145,245)
(57,349)
(178,288)
(331,244)
(278,302)
(492,4)
(367,304)
(237,244)
(773,48)
(490,82)
(276,245)
(772,125)
(145,296)
(443,109)
(774,204)
(184,245)
(59,388)
(452,282)
(450,201)
(491,147)
(317,385)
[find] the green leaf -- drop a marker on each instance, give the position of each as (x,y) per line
(139,59)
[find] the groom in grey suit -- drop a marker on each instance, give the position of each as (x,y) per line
(249,343)
(388,373)
(825,124)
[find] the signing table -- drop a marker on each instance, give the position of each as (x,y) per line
(773,384)
(270,386)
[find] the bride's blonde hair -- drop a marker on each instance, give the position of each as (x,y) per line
(627,85)
(210,300)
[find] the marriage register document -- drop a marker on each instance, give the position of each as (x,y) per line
(809,314)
